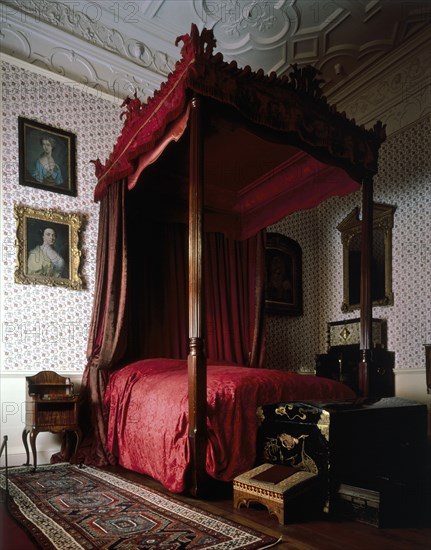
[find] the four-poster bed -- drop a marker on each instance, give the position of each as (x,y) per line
(217,155)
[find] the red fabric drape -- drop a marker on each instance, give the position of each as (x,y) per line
(107,341)
(234,298)
(108,336)
(233,279)
(158,289)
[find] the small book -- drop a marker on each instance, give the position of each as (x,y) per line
(276,474)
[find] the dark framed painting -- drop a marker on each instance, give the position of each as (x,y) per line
(47,157)
(47,248)
(283,281)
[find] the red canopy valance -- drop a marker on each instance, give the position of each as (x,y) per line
(290,112)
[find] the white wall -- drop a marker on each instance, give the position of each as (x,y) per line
(398,94)
(404,180)
(45,328)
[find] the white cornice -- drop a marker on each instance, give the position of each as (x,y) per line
(74,58)
(72,17)
(396,90)
(420,41)
(59,78)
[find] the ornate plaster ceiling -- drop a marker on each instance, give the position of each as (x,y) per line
(121,46)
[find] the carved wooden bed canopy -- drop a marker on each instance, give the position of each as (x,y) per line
(237,151)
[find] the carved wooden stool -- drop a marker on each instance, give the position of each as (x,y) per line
(271,485)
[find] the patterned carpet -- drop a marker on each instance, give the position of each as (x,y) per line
(67,507)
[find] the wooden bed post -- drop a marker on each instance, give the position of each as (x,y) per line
(366,297)
(197,382)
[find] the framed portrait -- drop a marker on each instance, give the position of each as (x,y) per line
(283,282)
(47,157)
(47,248)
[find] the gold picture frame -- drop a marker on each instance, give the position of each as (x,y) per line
(381,260)
(47,248)
(47,157)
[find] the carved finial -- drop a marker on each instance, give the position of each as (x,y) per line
(207,38)
(380,130)
(98,166)
(133,107)
(304,79)
(202,44)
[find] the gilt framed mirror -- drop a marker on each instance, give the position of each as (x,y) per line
(381,270)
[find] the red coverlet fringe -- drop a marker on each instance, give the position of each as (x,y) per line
(148,415)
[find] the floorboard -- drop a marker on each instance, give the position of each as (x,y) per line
(308,534)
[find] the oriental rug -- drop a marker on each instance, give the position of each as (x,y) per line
(70,507)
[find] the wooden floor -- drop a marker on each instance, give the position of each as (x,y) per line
(317,534)
(307,534)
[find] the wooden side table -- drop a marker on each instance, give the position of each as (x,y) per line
(51,406)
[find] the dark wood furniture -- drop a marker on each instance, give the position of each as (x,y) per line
(382,446)
(51,406)
(341,361)
(6,474)
(378,445)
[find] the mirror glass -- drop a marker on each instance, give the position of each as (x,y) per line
(381,264)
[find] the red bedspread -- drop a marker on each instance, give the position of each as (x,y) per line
(148,412)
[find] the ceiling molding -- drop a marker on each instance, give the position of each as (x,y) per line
(71,57)
(65,17)
(79,86)
(118,48)
(397,90)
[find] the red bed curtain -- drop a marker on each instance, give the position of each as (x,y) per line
(108,331)
(158,289)
(234,299)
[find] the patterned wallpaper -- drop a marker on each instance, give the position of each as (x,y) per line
(404,180)
(46,327)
